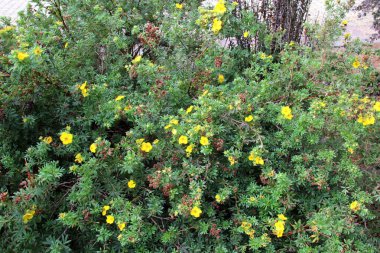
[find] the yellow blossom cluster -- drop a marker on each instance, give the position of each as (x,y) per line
(367,119)
(215,14)
(110,219)
(6,29)
(232,160)
(256,160)
(264,56)
(247,227)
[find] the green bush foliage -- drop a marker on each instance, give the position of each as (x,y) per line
(129,126)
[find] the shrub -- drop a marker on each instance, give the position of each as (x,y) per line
(128,126)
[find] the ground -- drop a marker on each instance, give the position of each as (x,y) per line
(10,8)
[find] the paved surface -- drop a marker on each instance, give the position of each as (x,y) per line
(358,27)
(10,8)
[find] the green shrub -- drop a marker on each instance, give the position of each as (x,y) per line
(127,126)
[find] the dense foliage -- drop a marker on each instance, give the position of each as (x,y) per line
(129,126)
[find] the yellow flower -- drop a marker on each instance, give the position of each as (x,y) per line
(220,8)
(127,108)
(356,64)
(282,217)
(231,159)
(121,225)
(156,141)
(350,150)
(196,212)
(347,36)
(252,199)
(248,118)
(246,225)
(22,56)
(66,138)
(197,128)
(376,106)
(250,232)
(62,216)
(189,149)
(137,59)
(105,209)
(73,168)
(131,184)
(47,139)
(286,112)
(78,158)
(183,140)
(263,56)
(218,198)
(84,92)
(279,228)
(216,25)
(292,44)
(110,219)
(118,98)
(246,34)
(168,126)
(119,237)
(174,122)
(83,88)
(204,141)
(355,206)
(344,22)
(220,78)
(179,6)
(259,160)
(37,51)
(139,141)
(146,147)
(66,44)
(93,147)
(189,109)
(29,214)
